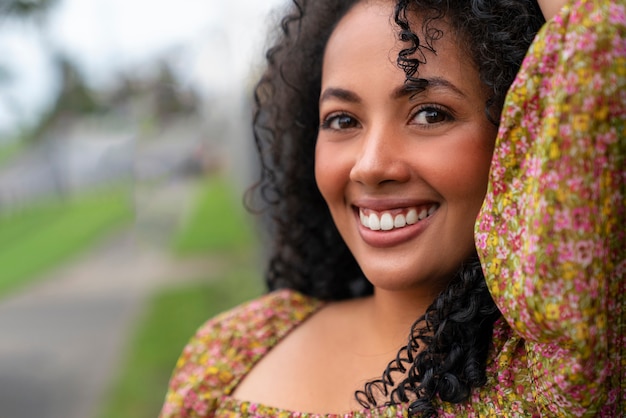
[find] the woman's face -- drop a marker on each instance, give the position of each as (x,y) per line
(403,174)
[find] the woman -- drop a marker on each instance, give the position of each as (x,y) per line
(376,230)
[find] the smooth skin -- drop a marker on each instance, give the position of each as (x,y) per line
(550,8)
(381,148)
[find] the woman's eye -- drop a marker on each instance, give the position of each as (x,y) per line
(430,115)
(339,122)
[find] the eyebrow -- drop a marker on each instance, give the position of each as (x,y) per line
(341,94)
(398,93)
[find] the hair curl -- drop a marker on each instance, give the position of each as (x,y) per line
(447,348)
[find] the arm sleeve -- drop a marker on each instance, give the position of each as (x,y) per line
(551,234)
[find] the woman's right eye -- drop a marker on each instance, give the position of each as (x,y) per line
(339,122)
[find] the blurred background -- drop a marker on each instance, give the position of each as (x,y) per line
(125,150)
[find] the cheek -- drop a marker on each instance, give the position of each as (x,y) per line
(324,172)
(466,169)
(332,169)
(476,173)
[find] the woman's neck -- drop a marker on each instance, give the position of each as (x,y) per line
(389,315)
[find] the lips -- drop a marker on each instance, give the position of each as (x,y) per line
(388,220)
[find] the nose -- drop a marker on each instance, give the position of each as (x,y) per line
(381,158)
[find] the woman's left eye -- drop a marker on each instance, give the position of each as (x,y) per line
(430,115)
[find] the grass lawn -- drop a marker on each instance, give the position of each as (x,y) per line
(43,236)
(217,221)
(10,150)
(171,318)
(215,227)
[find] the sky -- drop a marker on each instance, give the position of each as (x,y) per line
(105,37)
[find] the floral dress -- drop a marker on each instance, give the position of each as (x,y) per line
(551,233)
(551,236)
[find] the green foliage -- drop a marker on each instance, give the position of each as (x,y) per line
(216,227)
(9,150)
(171,319)
(44,236)
(217,221)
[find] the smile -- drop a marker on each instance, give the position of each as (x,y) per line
(394,219)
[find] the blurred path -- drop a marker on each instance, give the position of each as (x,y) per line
(61,338)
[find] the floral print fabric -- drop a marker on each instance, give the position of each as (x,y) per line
(551,233)
(551,237)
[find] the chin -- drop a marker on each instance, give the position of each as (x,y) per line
(397,282)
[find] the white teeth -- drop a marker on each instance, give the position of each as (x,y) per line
(374,222)
(386,221)
(399,222)
(411,217)
(365,220)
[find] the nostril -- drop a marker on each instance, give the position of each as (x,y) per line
(378,172)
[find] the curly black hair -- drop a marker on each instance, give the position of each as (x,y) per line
(307,254)
(447,348)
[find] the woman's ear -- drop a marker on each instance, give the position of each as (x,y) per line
(549,8)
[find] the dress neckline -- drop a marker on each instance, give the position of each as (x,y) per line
(257,409)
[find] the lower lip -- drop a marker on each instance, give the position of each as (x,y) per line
(397,236)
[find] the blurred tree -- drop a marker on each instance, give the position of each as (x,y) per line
(75,99)
(26,9)
(172,100)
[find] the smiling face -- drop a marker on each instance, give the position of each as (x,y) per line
(403,174)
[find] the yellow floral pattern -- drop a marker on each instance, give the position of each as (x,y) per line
(551,233)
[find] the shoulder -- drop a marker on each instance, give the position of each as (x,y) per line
(226,347)
(259,322)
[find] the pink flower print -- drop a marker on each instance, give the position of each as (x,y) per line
(587,43)
(589,102)
(530,262)
(562,219)
(201,407)
(617,14)
(533,167)
(584,252)
(481,240)
(562,401)
(566,252)
(619,46)
(510,212)
(530,243)
(581,219)
(502,228)
(190,400)
(516,406)
(551,180)
(515,241)
(575,183)
(486,221)
(612,396)
(606,139)
(566,130)
(505,378)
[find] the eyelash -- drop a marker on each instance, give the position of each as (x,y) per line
(327,122)
(433,108)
